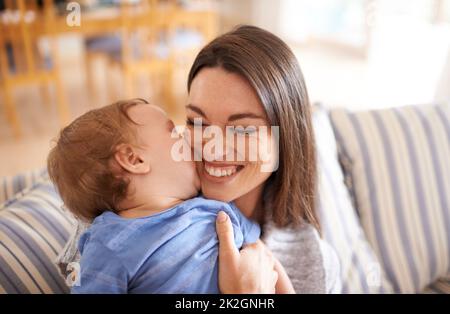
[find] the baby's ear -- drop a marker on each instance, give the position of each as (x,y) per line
(130,159)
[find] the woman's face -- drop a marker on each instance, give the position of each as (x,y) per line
(221,98)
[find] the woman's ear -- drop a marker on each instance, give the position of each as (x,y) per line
(129,159)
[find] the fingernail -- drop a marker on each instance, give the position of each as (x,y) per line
(221,216)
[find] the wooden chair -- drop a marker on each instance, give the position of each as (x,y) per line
(21,63)
(140,28)
(126,49)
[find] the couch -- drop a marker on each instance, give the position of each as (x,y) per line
(383,201)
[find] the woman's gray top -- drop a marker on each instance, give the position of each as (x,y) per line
(310,262)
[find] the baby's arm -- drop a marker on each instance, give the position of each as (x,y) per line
(283,285)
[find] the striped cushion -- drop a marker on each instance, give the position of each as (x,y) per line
(33,229)
(397,162)
(9,186)
(360,269)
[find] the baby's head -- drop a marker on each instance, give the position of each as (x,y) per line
(110,157)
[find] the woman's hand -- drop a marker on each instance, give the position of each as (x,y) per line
(251,270)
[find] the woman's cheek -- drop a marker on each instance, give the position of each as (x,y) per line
(251,176)
(268,153)
(196,148)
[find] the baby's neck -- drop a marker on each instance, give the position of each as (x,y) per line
(151,205)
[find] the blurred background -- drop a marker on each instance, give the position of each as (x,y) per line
(59,59)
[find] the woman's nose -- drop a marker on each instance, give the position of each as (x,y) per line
(216,145)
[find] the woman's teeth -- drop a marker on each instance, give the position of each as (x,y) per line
(220,172)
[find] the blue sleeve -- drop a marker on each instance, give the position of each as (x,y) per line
(100,271)
(250,229)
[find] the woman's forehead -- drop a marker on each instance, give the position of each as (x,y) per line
(219,92)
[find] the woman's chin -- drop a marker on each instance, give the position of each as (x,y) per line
(213,194)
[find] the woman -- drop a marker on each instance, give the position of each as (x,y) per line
(249,77)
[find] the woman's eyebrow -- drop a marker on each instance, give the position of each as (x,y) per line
(233,117)
(196,109)
(244,115)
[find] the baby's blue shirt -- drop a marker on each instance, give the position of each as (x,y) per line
(174,251)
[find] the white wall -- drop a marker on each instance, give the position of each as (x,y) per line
(443,88)
(262,13)
(267,14)
(406,61)
(233,12)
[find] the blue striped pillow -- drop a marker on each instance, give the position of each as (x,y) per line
(33,230)
(361,271)
(397,161)
(9,186)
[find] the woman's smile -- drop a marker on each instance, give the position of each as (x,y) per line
(222,98)
(219,172)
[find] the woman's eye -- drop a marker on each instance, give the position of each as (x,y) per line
(195,122)
(249,130)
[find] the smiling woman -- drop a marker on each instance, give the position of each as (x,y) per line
(225,99)
(251,79)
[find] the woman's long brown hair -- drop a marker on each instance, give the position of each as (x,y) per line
(272,69)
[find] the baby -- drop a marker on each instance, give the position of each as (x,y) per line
(150,233)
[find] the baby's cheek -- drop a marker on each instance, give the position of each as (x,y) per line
(197,182)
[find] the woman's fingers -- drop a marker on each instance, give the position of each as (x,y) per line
(251,270)
(269,258)
(227,249)
(274,277)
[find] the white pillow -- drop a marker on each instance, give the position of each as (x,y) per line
(398,160)
(361,271)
